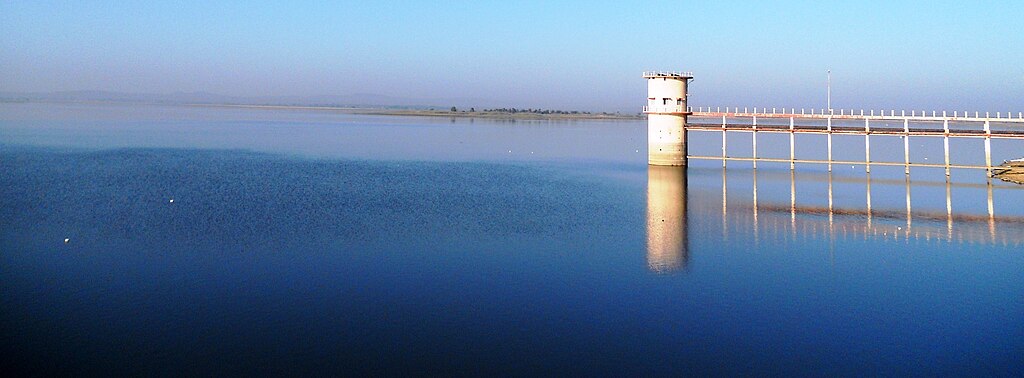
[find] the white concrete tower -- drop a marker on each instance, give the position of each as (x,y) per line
(666,115)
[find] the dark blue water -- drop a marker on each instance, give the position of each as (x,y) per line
(293,258)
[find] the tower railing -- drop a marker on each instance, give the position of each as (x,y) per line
(666,109)
(687,74)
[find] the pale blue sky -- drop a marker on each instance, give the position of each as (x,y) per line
(567,55)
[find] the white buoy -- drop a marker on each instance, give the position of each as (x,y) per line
(172,200)
(67,240)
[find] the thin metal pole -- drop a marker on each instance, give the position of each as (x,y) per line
(906,148)
(830,143)
(792,146)
(867,146)
(945,143)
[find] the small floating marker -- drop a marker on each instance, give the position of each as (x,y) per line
(172,200)
(637,150)
(67,240)
(510,151)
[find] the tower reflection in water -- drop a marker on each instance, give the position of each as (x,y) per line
(666,218)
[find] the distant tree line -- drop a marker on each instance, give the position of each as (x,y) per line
(534,111)
(531,111)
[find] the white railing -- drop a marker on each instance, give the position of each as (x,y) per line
(668,73)
(665,109)
(866,113)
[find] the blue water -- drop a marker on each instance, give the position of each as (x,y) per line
(317,242)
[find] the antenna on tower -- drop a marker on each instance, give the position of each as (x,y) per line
(828,85)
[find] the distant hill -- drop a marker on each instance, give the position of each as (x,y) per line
(354,100)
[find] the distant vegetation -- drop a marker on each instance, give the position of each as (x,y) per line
(541,111)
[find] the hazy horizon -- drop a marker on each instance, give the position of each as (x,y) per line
(570,55)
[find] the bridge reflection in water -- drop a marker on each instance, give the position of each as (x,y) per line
(775,219)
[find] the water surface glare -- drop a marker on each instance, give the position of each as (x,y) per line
(228,241)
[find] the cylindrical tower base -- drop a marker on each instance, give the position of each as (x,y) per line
(666,139)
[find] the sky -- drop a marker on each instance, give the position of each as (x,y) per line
(585,55)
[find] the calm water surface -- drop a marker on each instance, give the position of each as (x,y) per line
(318,242)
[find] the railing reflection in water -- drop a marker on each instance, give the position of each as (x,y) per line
(667,212)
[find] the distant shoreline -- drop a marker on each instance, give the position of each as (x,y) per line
(518,115)
(438,113)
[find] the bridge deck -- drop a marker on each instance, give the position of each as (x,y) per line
(968,133)
(892,116)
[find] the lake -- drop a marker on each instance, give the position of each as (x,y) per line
(145,239)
